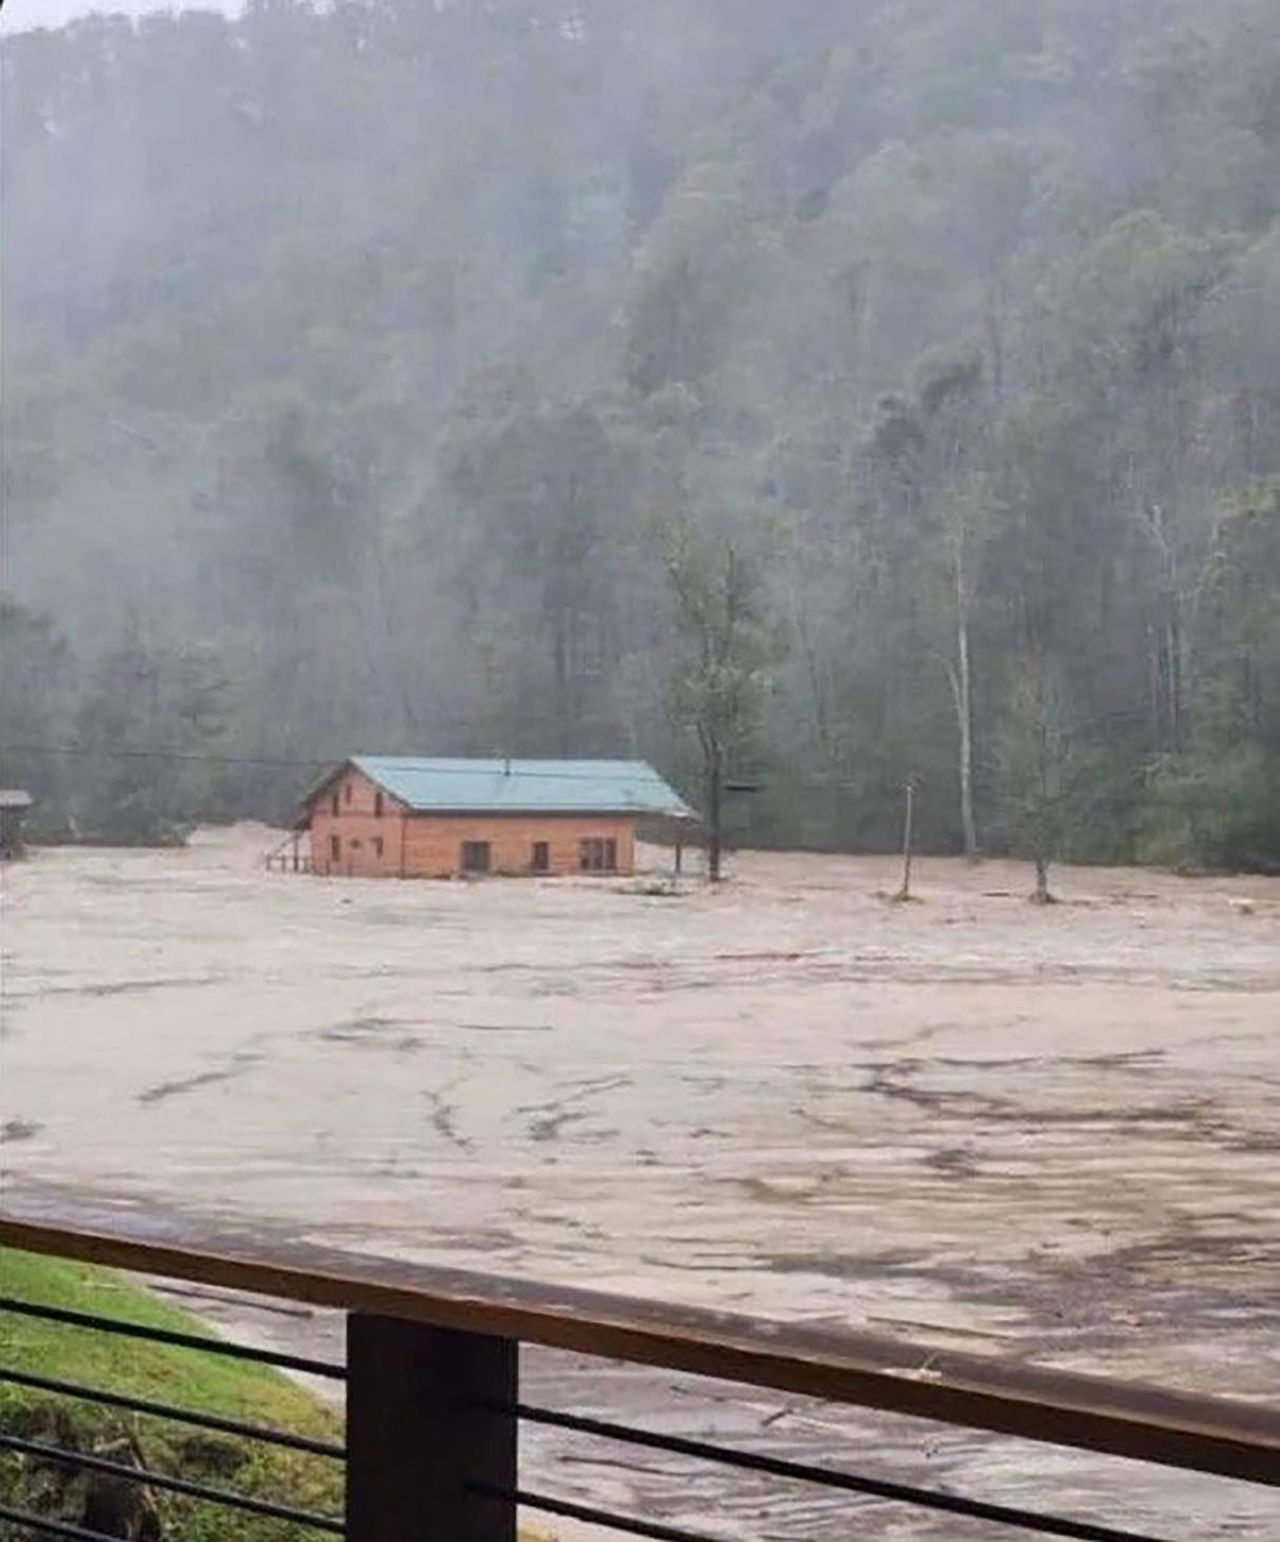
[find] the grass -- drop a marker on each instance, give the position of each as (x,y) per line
(209,1383)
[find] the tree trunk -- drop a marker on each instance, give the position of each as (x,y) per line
(1173,651)
(715,795)
(1042,895)
(119,1507)
(964,709)
(959,675)
(560,669)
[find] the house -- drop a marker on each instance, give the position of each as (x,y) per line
(15,804)
(392,816)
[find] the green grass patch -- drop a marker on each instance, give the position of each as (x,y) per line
(206,1383)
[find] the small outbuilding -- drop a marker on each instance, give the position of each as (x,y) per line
(15,805)
(393,816)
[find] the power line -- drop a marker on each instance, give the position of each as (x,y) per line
(332,762)
(84,752)
(193,757)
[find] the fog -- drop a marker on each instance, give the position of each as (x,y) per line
(819,396)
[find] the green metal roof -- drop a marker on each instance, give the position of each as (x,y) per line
(525,786)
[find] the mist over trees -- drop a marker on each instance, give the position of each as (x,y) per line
(358,357)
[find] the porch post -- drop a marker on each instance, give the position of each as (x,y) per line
(431,1443)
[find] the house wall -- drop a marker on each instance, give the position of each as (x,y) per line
(430,845)
(433,842)
(358,829)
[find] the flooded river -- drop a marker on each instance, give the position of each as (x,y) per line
(1044,1133)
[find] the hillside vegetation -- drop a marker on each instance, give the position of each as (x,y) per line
(374,369)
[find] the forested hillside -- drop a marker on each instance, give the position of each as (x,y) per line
(393,375)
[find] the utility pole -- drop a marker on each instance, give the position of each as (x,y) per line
(908,835)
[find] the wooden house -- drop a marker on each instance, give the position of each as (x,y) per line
(400,817)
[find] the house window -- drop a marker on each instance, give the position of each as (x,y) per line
(347,792)
(335,848)
(541,860)
(475,856)
(336,804)
(377,845)
(377,805)
(596,855)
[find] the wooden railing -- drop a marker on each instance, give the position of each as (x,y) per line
(288,857)
(434,1406)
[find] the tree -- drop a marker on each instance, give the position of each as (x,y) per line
(544,496)
(846,266)
(927,458)
(37,695)
(150,725)
(1040,500)
(1217,802)
(963,521)
(1035,765)
(957,425)
(721,685)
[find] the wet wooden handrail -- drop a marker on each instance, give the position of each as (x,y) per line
(1211,1435)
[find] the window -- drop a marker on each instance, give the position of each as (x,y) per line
(335,848)
(475,856)
(336,805)
(541,861)
(347,791)
(377,845)
(377,805)
(596,855)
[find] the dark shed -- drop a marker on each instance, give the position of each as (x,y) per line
(15,803)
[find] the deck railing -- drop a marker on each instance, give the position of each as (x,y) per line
(434,1406)
(288,859)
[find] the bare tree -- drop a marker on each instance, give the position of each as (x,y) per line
(963,527)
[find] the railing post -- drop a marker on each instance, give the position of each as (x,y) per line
(425,1431)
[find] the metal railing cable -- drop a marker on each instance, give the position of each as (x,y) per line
(196,1418)
(434,1412)
(831,1478)
(50,1526)
(170,1336)
(589,1515)
(226,1498)
(39,1452)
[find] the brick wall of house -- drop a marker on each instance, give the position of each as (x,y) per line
(369,844)
(433,843)
(398,844)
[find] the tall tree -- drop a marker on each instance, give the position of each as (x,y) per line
(1034,753)
(545,495)
(720,687)
(37,702)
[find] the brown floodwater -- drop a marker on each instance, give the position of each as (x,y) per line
(1046,1133)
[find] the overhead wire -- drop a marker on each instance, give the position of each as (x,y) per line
(423,764)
